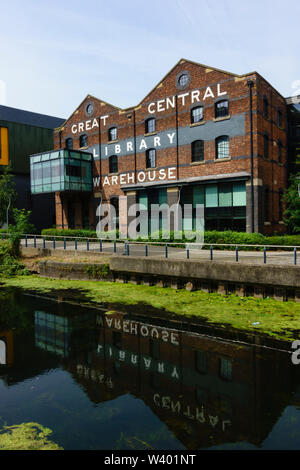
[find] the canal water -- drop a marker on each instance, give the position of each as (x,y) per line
(103,380)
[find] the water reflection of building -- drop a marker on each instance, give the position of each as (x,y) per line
(6,348)
(207,391)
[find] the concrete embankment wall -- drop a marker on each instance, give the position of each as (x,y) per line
(278,281)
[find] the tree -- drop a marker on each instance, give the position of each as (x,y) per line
(292,201)
(21,227)
(8,194)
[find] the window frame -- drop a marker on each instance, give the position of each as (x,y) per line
(83,136)
(69,139)
(113,160)
(217,141)
(195,152)
(220,114)
(193,119)
(147,129)
(110,130)
(149,157)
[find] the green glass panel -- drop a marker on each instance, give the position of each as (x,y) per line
(225,195)
(211,193)
(162,196)
(143,201)
(198,195)
(239,194)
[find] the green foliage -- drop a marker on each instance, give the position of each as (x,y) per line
(26,436)
(97,270)
(52,232)
(8,193)
(292,200)
(22,226)
(9,263)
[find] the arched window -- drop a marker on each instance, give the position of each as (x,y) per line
(196,114)
(113,164)
(198,151)
(69,143)
(83,139)
(222,146)
(112,134)
(221,109)
(149,125)
(150,158)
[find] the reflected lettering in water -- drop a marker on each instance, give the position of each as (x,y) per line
(116,381)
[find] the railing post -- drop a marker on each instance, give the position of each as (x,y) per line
(87,244)
(166,250)
(211,252)
(188,251)
(34,241)
(236,253)
(100,246)
(26,241)
(265,255)
(44,243)
(75,244)
(127,249)
(65,243)
(53,243)
(115,246)
(295,255)
(146,250)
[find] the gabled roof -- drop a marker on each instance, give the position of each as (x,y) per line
(86,98)
(27,117)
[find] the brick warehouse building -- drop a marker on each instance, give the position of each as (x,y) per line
(201,136)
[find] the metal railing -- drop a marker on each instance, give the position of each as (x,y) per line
(289,254)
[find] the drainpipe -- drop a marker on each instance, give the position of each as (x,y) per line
(250,84)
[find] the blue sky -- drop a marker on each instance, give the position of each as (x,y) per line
(55,53)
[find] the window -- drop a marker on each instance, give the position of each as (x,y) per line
(154,348)
(150,125)
(183,80)
(279,118)
(69,143)
(279,146)
(266,204)
(150,158)
(198,151)
(266,146)
(225,368)
(266,107)
(113,164)
(201,361)
(83,140)
(112,134)
(221,109)
(117,339)
(197,114)
(222,147)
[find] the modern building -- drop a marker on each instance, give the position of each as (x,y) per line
(22,133)
(201,136)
